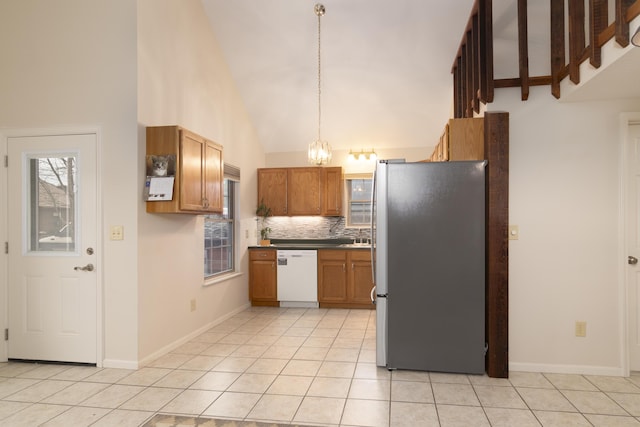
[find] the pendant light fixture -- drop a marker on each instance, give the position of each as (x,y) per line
(319,150)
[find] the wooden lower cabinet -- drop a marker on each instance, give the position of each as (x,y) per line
(344,278)
(263,288)
(360,277)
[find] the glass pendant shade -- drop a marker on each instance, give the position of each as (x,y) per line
(319,152)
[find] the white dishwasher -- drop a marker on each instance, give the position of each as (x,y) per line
(298,278)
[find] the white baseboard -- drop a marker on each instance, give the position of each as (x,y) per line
(614,371)
(167,348)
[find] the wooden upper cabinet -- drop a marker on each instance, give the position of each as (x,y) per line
(272,189)
(198,174)
(466,139)
(213,174)
(191,173)
(304,191)
(301,191)
(332,184)
(462,139)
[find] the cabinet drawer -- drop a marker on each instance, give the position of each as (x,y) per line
(332,254)
(264,254)
(360,255)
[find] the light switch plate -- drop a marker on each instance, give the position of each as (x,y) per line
(514,232)
(581,329)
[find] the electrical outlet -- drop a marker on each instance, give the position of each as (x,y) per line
(246,234)
(117,232)
(193,304)
(581,329)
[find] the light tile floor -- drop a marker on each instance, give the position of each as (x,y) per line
(309,367)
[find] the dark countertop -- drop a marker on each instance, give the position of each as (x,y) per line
(336,243)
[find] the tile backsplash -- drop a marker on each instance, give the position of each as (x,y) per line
(312,227)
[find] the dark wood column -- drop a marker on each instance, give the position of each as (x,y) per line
(496,149)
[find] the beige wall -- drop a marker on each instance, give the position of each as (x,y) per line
(184,80)
(72,64)
(66,64)
(564,196)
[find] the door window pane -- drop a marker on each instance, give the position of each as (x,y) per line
(51,189)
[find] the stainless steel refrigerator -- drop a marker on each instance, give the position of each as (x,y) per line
(429,265)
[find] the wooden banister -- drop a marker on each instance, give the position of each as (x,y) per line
(473,68)
(523,49)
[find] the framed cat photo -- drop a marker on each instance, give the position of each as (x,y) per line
(161,165)
(161,172)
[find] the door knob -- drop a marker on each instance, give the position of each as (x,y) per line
(632,260)
(89,267)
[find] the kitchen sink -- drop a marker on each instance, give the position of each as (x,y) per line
(356,245)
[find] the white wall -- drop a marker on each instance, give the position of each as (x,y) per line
(184,80)
(564,195)
(68,64)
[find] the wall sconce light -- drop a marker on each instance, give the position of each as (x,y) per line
(363,155)
(635,40)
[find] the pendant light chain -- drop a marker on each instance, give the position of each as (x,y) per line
(319,11)
(319,152)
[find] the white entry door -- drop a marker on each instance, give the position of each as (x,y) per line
(52,217)
(633,245)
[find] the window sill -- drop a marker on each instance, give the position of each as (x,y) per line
(219,279)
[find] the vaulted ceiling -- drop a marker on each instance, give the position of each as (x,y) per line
(386,66)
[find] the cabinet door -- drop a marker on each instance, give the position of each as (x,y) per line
(360,277)
(332,191)
(262,276)
(263,283)
(466,139)
(332,276)
(191,172)
(303,191)
(213,177)
(272,188)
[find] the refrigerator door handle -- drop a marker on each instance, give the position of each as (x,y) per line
(373,290)
(372,234)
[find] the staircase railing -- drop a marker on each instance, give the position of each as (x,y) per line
(473,68)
